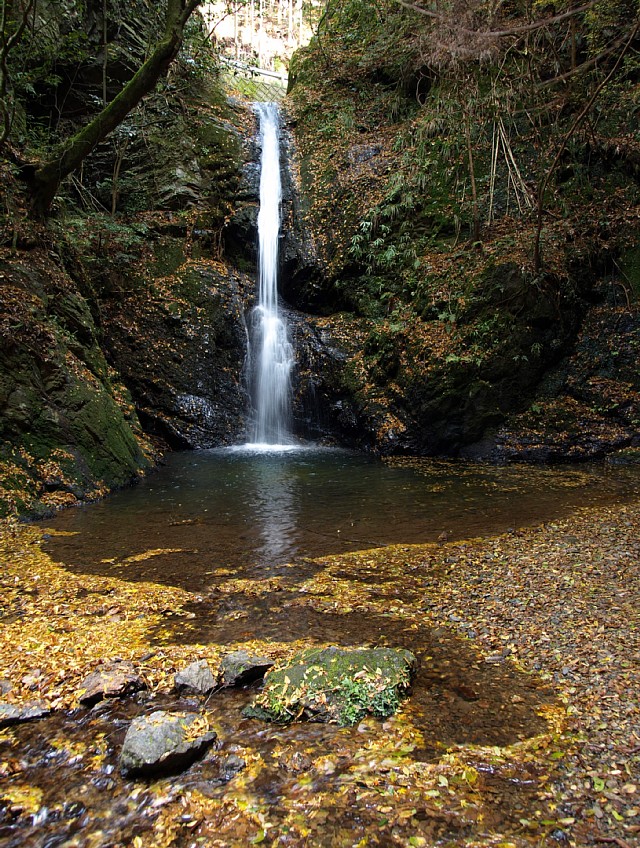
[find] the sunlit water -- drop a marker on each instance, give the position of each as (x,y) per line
(254,508)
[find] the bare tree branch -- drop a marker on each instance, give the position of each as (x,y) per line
(584,66)
(500,33)
(542,188)
(46,178)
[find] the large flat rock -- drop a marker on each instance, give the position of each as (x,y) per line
(336,685)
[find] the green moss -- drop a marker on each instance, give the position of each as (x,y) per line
(168,256)
(333,684)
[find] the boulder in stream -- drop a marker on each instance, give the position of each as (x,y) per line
(14,713)
(164,742)
(336,685)
(196,677)
(111,680)
(240,668)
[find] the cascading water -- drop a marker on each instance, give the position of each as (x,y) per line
(272,357)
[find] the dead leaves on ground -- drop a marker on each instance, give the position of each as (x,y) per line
(560,600)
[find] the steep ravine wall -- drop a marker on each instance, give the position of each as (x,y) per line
(68,428)
(449,343)
(124,335)
(69,424)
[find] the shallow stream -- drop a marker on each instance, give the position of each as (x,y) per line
(213,516)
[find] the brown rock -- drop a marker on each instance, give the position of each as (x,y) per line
(112,680)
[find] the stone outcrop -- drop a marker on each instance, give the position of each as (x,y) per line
(69,429)
(240,668)
(196,677)
(179,343)
(16,714)
(111,680)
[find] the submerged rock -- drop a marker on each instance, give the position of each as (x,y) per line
(112,680)
(13,713)
(336,685)
(163,742)
(240,668)
(196,677)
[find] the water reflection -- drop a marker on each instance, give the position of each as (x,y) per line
(247,510)
(274,501)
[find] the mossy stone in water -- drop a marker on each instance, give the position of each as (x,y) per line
(336,685)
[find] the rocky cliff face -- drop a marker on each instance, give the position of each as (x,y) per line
(117,328)
(179,343)
(69,428)
(123,321)
(450,341)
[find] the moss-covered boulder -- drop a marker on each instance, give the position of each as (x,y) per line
(336,685)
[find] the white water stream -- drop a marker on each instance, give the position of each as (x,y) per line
(272,353)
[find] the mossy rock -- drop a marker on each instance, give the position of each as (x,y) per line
(336,685)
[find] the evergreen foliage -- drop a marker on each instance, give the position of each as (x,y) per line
(481,111)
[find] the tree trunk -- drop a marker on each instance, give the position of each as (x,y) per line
(47,177)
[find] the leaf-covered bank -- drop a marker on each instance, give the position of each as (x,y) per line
(539,620)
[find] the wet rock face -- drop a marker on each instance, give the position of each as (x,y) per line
(302,274)
(65,420)
(162,743)
(336,685)
(240,233)
(180,344)
(240,668)
(324,406)
(196,677)
(14,714)
(587,406)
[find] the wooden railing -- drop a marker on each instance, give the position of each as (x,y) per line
(253,83)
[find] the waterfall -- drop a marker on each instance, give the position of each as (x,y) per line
(272,359)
